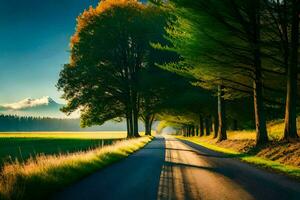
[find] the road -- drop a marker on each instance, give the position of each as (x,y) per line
(168,168)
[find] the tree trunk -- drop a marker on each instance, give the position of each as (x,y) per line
(290,121)
(207,126)
(222,135)
(235,125)
(211,123)
(147,125)
(129,125)
(135,124)
(260,121)
(129,133)
(149,131)
(193,130)
(152,118)
(216,126)
(201,126)
(135,114)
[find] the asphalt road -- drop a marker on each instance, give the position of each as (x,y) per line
(171,169)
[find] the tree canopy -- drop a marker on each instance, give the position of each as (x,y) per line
(110,51)
(198,65)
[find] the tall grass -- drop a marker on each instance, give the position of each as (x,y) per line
(24,148)
(23,145)
(39,177)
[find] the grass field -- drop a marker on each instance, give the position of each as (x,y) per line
(40,177)
(23,145)
(66,135)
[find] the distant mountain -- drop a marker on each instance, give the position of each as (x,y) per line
(46,107)
(42,107)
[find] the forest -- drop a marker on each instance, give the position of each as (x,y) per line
(12,123)
(196,65)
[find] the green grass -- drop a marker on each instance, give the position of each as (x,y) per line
(66,135)
(258,161)
(40,177)
(24,145)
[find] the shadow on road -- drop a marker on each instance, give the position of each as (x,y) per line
(168,168)
(199,173)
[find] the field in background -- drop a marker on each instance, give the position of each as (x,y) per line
(66,135)
(23,145)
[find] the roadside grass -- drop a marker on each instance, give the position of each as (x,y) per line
(24,145)
(275,131)
(276,166)
(39,177)
(25,148)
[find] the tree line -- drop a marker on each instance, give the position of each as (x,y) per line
(226,64)
(13,123)
(250,48)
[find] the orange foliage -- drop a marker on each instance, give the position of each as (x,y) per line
(87,16)
(107,4)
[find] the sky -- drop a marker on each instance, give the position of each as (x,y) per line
(34,44)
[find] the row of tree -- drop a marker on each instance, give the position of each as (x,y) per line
(12,123)
(241,48)
(112,72)
(188,62)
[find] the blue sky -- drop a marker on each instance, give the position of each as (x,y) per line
(34,43)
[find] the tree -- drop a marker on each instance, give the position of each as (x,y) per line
(290,130)
(155,84)
(244,47)
(219,39)
(285,17)
(187,105)
(281,19)
(108,51)
(222,115)
(153,94)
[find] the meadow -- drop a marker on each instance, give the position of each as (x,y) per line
(39,176)
(24,145)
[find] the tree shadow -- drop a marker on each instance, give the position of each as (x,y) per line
(174,175)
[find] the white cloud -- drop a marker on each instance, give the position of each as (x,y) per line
(28,103)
